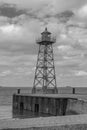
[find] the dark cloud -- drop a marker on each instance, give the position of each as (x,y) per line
(65,16)
(10,10)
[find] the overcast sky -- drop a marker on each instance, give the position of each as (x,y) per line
(22,21)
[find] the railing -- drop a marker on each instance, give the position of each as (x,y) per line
(46,39)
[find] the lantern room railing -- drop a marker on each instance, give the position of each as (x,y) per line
(46,39)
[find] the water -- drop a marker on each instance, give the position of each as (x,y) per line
(5,112)
(6,101)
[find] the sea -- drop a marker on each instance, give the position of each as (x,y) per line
(6,95)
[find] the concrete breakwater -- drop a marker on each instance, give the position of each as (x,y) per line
(75,122)
(76,106)
(55,105)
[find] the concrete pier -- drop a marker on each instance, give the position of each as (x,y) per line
(53,104)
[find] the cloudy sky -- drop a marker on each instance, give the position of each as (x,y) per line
(22,21)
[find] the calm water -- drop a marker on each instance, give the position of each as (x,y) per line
(6,101)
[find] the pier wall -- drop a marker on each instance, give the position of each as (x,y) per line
(40,104)
(76,106)
(53,106)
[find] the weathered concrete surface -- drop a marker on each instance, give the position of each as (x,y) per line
(76,106)
(76,122)
(54,104)
(70,96)
(43,104)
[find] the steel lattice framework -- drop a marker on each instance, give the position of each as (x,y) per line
(45,70)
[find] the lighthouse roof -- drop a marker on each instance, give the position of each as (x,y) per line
(46,32)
